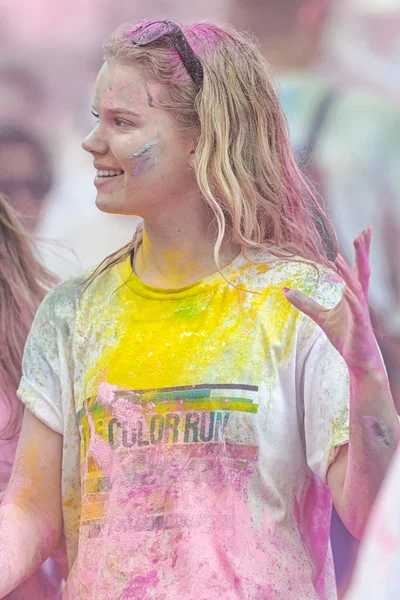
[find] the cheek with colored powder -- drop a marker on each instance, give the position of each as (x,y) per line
(144,158)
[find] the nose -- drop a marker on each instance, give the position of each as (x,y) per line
(95,142)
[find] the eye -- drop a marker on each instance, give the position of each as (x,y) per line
(122,123)
(94,113)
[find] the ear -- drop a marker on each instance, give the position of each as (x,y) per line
(311,14)
(191,149)
(191,158)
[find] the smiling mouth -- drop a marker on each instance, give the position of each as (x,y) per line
(108,174)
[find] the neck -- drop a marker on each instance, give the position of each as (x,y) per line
(178,250)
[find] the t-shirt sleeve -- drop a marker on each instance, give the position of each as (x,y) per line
(324,383)
(326,405)
(40,386)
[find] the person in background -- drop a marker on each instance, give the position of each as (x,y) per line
(348,144)
(23,284)
(26,173)
(24,98)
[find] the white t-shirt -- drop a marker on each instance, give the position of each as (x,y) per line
(199,425)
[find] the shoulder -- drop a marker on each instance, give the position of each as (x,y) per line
(267,273)
(62,303)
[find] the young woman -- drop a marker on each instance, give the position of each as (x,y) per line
(23,285)
(188,402)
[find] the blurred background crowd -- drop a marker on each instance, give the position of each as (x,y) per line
(337,64)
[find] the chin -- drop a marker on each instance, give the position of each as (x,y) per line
(108,204)
(114,205)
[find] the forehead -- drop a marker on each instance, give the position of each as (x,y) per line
(120,85)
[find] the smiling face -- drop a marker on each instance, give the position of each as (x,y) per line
(142,160)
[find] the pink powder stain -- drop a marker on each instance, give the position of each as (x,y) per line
(126,410)
(139,585)
(332,277)
(185,509)
(100,450)
(200,494)
(147,163)
(41,324)
(106,393)
(189,478)
(314,529)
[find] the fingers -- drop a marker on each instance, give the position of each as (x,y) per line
(357,279)
(305,304)
(355,305)
(362,246)
(349,276)
(367,238)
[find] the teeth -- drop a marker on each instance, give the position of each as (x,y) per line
(109,173)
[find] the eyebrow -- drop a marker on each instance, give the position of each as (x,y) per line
(114,111)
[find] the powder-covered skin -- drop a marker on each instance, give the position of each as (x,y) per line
(374,426)
(202,422)
(20,528)
(146,161)
(143,150)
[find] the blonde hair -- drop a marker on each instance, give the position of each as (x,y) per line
(243,161)
(23,284)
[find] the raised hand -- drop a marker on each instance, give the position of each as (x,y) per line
(347,325)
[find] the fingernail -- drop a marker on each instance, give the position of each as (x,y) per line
(285,290)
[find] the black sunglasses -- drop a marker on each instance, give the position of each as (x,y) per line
(147,32)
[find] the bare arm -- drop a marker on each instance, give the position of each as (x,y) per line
(360,467)
(30,514)
(357,473)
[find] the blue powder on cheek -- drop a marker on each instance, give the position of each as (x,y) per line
(143,150)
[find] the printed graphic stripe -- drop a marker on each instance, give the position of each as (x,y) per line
(192,397)
(205,404)
(203,386)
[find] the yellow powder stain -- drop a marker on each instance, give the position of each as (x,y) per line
(165,344)
(167,341)
(32,477)
(92,510)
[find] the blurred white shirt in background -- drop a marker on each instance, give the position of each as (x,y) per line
(74,234)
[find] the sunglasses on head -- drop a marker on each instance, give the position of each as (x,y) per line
(148,32)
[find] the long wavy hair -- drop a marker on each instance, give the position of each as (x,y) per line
(243,161)
(23,284)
